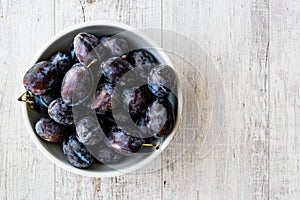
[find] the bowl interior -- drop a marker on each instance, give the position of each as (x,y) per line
(62,42)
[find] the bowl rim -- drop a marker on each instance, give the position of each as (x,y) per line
(84,172)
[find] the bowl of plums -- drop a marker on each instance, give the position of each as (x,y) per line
(101,99)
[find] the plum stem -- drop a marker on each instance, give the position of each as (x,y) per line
(25,98)
(91,63)
(153,145)
(148,145)
(158,144)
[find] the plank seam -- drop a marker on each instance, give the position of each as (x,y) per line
(54,191)
(269,101)
(55,31)
(82,9)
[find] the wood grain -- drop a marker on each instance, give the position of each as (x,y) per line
(284,100)
(254,46)
(235,34)
(25,173)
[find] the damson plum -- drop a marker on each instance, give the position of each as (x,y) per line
(116,45)
(77,85)
(105,155)
(76,154)
(160,118)
(60,112)
(103,102)
(122,142)
(161,80)
(114,68)
(88,131)
(62,62)
(140,57)
(49,130)
(40,78)
(87,47)
(136,100)
(142,60)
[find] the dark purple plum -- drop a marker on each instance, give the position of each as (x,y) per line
(76,153)
(77,85)
(60,112)
(122,142)
(49,130)
(116,45)
(161,80)
(87,47)
(136,100)
(114,68)
(142,60)
(102,102)
(62,62)
(88,131)
(140,57)
(160,118)
(40,78)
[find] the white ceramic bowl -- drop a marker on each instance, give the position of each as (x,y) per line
(61,42)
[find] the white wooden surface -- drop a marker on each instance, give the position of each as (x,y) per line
(255,45)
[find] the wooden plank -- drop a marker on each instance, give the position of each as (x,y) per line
(284,101)
(24,27)
(235,35)
(131,186)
